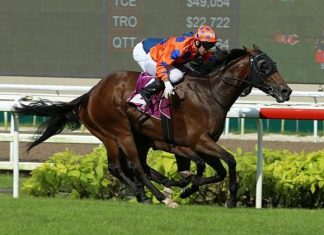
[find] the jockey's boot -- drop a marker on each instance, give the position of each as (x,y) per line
(153,88)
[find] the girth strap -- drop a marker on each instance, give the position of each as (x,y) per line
(167,129)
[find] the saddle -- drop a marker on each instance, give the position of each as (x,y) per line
(158,108)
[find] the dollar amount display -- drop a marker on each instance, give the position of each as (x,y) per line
(214,22)
(208,3)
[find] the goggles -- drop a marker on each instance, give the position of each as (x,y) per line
(208,45)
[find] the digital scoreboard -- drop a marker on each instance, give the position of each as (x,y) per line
(82,38)
(129,21)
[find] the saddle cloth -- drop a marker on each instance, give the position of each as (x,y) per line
(158,106)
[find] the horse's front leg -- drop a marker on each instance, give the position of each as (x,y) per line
(216,164)
(187,153)
(183,156)
(207,146)
(161,179)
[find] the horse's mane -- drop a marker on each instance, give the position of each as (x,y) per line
(223,57)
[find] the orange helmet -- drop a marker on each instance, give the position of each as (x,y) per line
(206,34)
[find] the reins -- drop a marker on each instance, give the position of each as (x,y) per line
(222,77)
(210,86)
(253,84)
(214,96)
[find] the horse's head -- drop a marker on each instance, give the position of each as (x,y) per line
(243,69)
(265,75)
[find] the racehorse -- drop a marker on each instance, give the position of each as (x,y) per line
(198,120)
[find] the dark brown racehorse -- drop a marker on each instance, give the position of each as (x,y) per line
(198,119)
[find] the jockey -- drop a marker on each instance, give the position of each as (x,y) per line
(160,57)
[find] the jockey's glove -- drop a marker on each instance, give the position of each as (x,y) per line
(168,91)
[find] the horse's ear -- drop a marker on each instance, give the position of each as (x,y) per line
(256,47)
(217,49)
(247,49)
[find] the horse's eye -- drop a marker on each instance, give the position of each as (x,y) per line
(265,67)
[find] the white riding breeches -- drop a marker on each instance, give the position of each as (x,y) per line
(148,65)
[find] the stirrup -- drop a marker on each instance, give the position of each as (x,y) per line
(144,96)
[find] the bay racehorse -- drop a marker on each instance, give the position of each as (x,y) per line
(203,101)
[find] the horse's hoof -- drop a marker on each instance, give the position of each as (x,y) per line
(170,203)
(167,192)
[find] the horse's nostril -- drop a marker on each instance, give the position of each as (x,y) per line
(286,92)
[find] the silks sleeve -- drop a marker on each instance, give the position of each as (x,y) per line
(168,58)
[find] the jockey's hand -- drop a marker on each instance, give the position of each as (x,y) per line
(168,91)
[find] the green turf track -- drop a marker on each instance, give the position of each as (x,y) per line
(28,215)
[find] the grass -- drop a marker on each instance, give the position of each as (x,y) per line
(6,180)
(28,215)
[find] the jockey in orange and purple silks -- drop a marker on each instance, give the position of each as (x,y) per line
(161,57)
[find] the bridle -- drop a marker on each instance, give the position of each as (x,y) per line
(262,67)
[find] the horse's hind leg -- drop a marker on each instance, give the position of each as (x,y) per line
(133,156)
(129,172)
(115,167)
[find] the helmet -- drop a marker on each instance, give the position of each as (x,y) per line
(206,34)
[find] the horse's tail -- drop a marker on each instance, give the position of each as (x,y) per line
(59,115)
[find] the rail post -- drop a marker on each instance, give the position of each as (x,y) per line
(15,156)
(258,197)
(14,149)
